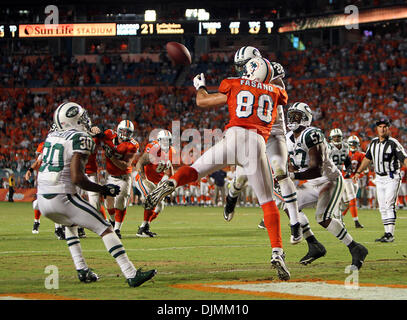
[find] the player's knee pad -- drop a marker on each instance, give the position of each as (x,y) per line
(35,205)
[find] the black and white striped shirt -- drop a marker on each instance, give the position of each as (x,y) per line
(386,156)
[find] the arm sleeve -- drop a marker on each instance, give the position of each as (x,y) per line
(282,96)
(400,152)
(225,86)
(368,154)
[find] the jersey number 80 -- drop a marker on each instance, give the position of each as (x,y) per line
(245,101)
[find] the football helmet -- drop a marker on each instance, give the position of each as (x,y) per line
(299,114)
(125,130)
(164,138)
(336,136)
(243,55)
(70,115)
(353,142)
(258,69)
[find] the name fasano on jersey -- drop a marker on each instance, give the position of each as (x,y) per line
(54,175)
(256,84)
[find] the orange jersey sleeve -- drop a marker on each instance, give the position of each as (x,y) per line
(40,148)
(252,104)
(91,165)
(356,159)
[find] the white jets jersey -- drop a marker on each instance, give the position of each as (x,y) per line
(54,175)
(337,155)
(278,127)
(298,151)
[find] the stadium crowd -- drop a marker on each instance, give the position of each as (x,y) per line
(347,88)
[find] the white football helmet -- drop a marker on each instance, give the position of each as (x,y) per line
(164,138)
(299,114)
(243,55)
(125,130)
(336,136)
(258,69)
(70,115)
(354,143)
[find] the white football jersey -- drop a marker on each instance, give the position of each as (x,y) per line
(298,151)
(337,155)
(54,175)
(278,127)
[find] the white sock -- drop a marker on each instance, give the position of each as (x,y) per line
(306,229)
(37,220)
(74,245)
(338,230)
(144,224)
(116,249)
(58,225)
(277,250)
(117,225)
(391,228)
(289,194)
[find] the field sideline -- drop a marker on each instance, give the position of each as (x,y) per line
(195,246)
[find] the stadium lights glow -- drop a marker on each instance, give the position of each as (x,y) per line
(150,15)
(197,14)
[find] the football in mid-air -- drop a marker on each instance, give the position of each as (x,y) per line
(178,53)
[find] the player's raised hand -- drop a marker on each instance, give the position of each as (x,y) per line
(199,81)
(95,131)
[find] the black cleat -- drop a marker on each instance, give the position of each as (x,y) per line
(229,209)
(59,233)
(261,225)
(141,277)
(358,225)
(119,235)
(87,275)
(159,193)
(36,226)
(144,232)
(296,233)
(315,251)
(81,233)
(359,253)
(387,237)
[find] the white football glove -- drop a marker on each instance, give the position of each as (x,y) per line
(199,81)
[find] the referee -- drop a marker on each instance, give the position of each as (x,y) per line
(387,156)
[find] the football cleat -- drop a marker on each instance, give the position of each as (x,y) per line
(59,233)
(315,251)
(87,275)
(387,237)
(36,226)
(119,235)
(278,263)
(261,224)
(358,225)
(159,193)
(229,209)
(81,233)
(359,253)
(141,277)
(296,233)
(144,232)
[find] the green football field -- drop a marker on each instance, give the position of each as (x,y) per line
(194,247)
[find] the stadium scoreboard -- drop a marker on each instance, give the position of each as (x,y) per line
(140,29)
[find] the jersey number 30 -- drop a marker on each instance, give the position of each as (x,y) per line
(245,102)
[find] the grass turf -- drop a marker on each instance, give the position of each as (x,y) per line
(194,245)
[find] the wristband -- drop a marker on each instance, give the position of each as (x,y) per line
(203,87)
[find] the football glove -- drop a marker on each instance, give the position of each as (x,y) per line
(108,151)
(110,190)
(278,70)
(199,81)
